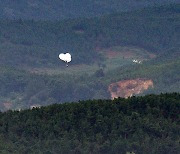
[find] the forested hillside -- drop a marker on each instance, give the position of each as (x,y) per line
(119,48)
(62,9)
(38,43)
(164,71)
(148,124)
(31,73)
(20,89)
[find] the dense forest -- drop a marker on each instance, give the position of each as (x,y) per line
(28,44)
(148,124)
(38,43)
(63,9)
(46,107)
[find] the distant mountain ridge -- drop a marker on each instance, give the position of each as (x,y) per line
(48,9)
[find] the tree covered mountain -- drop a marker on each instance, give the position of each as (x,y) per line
(62,9)
(38,43)
(147,124)
(28,46)
(23,89)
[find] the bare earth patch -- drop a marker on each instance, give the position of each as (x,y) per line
(7,105)
(128,88)
(126,52)
(112,54)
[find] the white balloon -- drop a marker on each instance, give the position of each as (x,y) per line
(65,57)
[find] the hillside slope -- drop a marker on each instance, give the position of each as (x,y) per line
(147,124)
(53,10)
(39,43)
(102,49)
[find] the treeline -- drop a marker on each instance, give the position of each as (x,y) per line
(148,124)
(58,10)
(38,43)
(23,89)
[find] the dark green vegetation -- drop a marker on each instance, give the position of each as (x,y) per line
(164,71)
(21,89)
(148,124)
(62,9)
(27,44)
(38,43)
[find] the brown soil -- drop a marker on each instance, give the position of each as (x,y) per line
(128,88)
(112,53)
(7,105)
